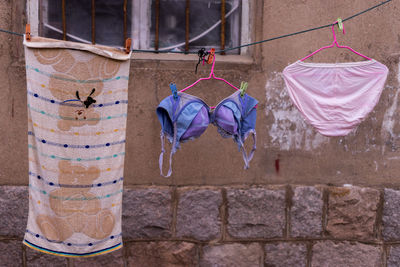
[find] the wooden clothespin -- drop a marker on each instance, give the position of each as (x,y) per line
(211,56)
(28,32)
(128,44)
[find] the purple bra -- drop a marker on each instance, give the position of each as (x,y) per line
(186,117)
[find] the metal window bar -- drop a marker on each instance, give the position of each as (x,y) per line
(93,21)
(64,20)
(187,20)
(156,41)
(223,23)
(125,20)
(157,23)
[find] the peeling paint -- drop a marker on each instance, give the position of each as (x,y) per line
(388,123)
(342,141)
(288,129)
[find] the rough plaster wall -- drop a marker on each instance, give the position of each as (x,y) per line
(289,150)
(13,129)
(287,130)
(390,127)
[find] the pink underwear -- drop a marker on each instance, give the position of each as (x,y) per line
(335,97)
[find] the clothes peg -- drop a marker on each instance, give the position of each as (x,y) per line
(211,56)
(202,53)
(174,91)
(28,32)
(243,88)
(128,44)
(340,24)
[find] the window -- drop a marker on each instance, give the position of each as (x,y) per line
(109,20)
(204,29)
(141,17)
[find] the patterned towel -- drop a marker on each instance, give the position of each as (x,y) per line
(77,107)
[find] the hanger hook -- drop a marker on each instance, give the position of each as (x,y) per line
(333,32)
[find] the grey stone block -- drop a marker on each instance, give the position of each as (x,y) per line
(329,253)
(352,212)
(198,214)
(394,257)
(306,212)
(112,259)
(11,253)
(39,259)
(285,254)
(13,210)
(391,215)
(256,213)
(238,255)
(164,253)
(146,213)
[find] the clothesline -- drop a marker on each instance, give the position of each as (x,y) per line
(249,44)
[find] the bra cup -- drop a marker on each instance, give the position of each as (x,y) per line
(198,125)
(165,120)
(225,120)
(249,123)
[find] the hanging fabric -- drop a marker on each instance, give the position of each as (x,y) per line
(335,97)
(77,109)
(185,117)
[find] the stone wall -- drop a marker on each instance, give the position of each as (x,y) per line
(233,226)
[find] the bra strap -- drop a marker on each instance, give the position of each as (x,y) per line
(248,158)
(244,155)
(173,150)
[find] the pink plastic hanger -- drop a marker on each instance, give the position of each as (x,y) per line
(335,43)
(212,75)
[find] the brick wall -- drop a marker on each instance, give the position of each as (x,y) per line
(233,226)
